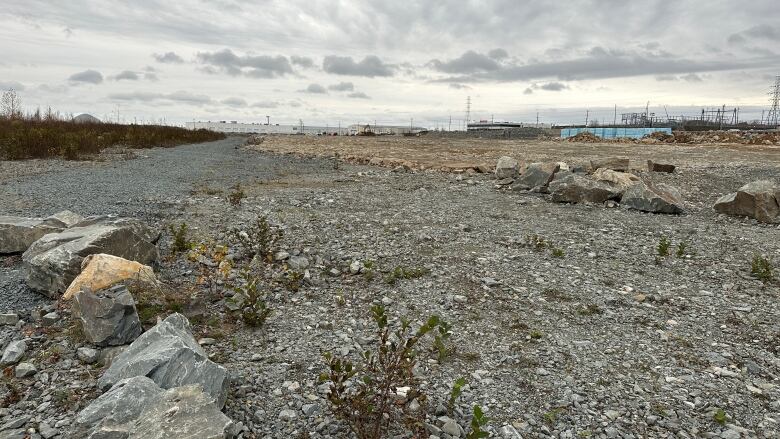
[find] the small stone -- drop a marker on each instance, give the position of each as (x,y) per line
(50,319)
(451,428)
(298,263)
(355,267)
(9,318)
(459,298)
(13,353)
(87,355)
(206,341)
(612,414)
(509,432)
(287,415)
(310,409)
(46,431)
(24,370)
(15,423)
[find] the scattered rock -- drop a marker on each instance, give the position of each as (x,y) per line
(50,319)
(13,353)
(87,355)
(659,198)
(170,356)
(17,234)
(615,164)
(298,263)
(108,317)
(9,318)
(620,180)
(536,176)
(53,262)
(507,167)
(759,200)
(574,188)
(658,167)
(100,271)
(24,370)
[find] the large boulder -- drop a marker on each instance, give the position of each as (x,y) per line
(138,408)
(537,176)
(658,198)
(660,167)
(54,261)
(507,167)
(107,317)
(101,271)
(574,188)
(759,199)
(170,356)
(620,180)
(18,233)
(614,163)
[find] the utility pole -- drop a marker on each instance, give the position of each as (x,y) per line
(268,120)
(774,98)
(468,113)
(537,119)
(449,127)
(587,114)
(614,120)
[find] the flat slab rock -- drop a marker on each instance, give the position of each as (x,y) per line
(573,188)
(759,200)
(137,408)
(171,357)
(17,234)
(53,261)
(651,198)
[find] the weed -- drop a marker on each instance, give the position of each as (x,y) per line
(12,395)
(457,390)
(664,247)
(293,280)
(536,242)
(682,249)
(248,302)
(589,310)
(441,343)
(719,416)
(535,335)
(558,253)
(369,406)
(478,420)
(260,240)
(551,416)
(236,195)
(179,234)
(405,273)
(762,268)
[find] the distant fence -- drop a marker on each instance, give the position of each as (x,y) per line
(613,133)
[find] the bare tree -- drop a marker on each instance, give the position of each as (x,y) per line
(11,104)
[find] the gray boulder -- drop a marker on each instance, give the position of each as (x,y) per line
(507,167)
(759,200)
(613,163)
(170,356)
(53,261)
(17,233)
(574,188)
(13,353)
(658,198)
(660,167)
(537,176)
(138,408)
(108,317)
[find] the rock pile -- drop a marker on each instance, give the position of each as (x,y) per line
(759,200)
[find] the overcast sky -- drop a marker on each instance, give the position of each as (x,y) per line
(361,60)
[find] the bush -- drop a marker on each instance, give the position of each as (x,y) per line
(249,302)
(180,242)
(236,195)
(364,395)
(260,239)
(762,268)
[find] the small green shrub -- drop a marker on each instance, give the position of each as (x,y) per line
(664,247)
(682,249)
(236,195)
(720,417)
(441,342)
(558,253)
(401,272)
(259,240)
(249,302)
(293,280)
(457,390)
(536,242)
(478,420)
(179,234)
(761,268)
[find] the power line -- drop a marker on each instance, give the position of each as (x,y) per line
(774,98)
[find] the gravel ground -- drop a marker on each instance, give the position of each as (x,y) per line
(602,339)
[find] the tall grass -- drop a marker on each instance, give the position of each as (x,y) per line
(31,137)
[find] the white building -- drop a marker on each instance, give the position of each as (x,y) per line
(381,130)
(229,127)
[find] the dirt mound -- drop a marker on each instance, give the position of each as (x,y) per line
(660,137)
(585,137)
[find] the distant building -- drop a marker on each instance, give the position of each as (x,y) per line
(258,128)
(86,118)
(383,130)
(484,125)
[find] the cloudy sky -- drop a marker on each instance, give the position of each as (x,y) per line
(363,60)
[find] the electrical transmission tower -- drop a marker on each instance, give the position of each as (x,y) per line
(774,97)
(468,112)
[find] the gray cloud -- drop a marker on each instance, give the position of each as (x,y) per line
(265,104)
(182,97)
(234,102)
(764,31)
(342,86)
(127,75)
(302,61)
(255,66)
(7,85)
(87,76)
(469,62)
(456,86)
(371,66)
(498,53)
(553,86)
(358,95)
(149,76)
(168,58)
(315,89)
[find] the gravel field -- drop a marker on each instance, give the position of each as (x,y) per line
(590,334)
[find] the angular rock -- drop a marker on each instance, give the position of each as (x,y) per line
(298,263)
(13,353)
(536,176)
(614,163)
(100,271)
(759,200)
(9,318)
(659,198)
(170,356)
(64,219)
(25,370)
(659,167)
(120,405)
(17,234)
(53,261)
(574,188)
(50,319)
(107,317)
(507,167)
(620,180)
(87,355)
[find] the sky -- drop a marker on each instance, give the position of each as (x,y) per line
(357,61)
